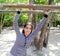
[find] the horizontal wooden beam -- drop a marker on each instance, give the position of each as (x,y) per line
(30,11)
(31,6)
(27,11)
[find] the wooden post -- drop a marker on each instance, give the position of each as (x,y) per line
(42,35)
(30,14)
(43,32)
(0,27)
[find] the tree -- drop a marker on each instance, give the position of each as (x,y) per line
(43,32)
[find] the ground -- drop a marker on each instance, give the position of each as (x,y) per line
(7,39)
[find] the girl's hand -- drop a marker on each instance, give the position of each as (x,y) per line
(18,12)
(46,12)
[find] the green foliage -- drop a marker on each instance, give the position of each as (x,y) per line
(14,1)
(8,19)
(41,1)
(45,1)
(58,26)
(55,20)
(23,19)
(56,1)
(24,1)
(40,15)
(8,22)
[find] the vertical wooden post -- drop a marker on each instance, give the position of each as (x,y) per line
(42,35)
(43,31)
(0,25)
(30,14)
(50,2)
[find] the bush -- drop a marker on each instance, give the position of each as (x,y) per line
(58,26)
(57,22)
(23,19)
(8,22)
(8,19)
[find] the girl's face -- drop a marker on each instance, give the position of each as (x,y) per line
(27,30)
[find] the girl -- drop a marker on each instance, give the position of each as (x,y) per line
(24,38)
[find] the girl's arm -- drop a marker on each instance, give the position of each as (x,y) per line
(15,23)
(37,29)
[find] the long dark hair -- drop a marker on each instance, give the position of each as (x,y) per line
(29,23)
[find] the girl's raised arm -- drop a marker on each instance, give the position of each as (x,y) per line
(15,23)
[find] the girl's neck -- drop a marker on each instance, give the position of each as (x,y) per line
(26,35)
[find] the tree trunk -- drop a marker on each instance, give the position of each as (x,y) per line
(50,2)
(34,22)
(42,35)
(43,32)
(48,28)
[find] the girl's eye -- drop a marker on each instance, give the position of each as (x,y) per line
(28,28)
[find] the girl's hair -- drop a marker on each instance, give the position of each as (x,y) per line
(29,23)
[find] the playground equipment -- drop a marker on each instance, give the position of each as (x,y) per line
(38,8)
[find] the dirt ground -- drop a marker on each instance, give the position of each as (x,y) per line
(8,37)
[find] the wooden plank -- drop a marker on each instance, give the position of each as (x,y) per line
(30,11)
(27,11)
(31,6)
